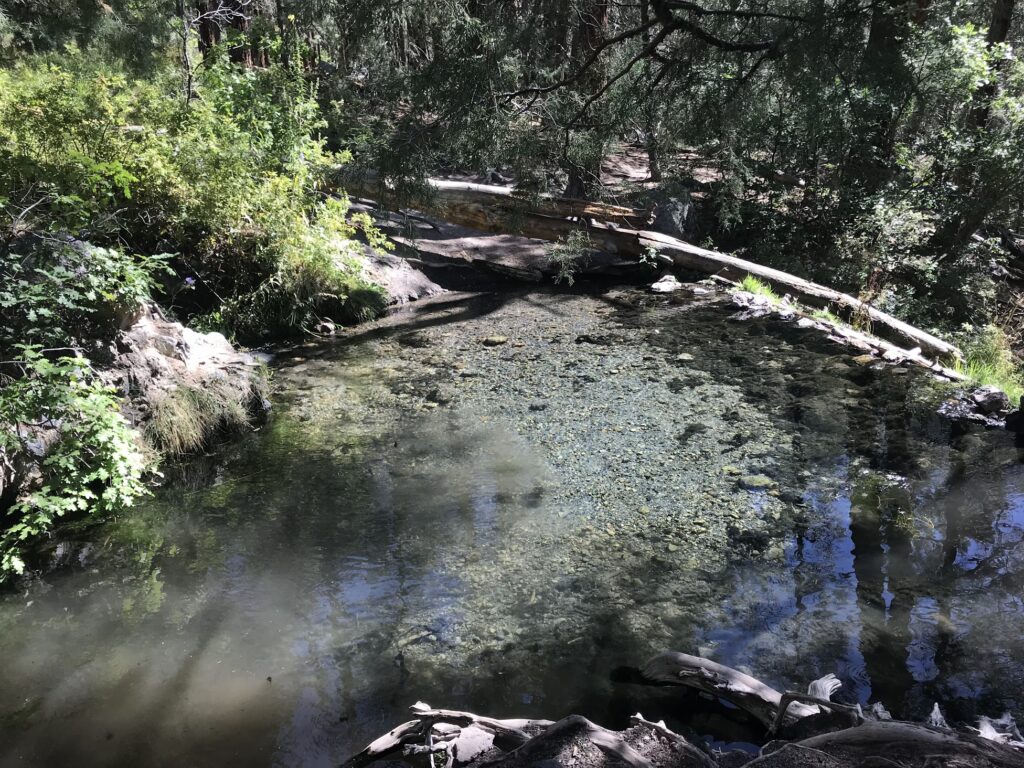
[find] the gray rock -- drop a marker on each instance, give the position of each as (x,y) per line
(401,282)
(756,482)
(990,400)
(667,284)
(676,217)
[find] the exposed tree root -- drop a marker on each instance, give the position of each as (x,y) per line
(831,735)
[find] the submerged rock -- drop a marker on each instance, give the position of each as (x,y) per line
(988,406)
(756,482)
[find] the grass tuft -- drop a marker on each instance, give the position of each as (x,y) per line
(988,360)
(186,417)
(751,284)
(827,316)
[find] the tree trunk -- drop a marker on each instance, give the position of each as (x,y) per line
(209,29)
(651,117)
(282,30)
(188,74)
(585,168)
(556,31)
(240,51)
(884,77)
(976,197)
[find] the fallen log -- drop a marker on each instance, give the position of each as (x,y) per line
(489,204)
(554,743)
(893,743)
(614,230)
(576,742)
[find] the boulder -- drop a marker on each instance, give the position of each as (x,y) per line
(677,217)
(990,400)
(401,281)
(156,356)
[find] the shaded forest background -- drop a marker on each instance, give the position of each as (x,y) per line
(874,145)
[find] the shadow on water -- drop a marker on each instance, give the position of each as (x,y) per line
(914,597)
(284,601)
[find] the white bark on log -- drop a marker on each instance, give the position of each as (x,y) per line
(508,734)
(882,324)
(390,742)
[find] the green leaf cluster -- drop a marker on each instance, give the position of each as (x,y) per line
(59,409)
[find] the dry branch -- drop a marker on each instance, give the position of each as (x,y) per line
(748,693)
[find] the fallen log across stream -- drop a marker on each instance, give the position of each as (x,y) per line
(616,230)
(806,730)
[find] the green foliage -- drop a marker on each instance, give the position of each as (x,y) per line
(62,292)
(232,181)
(92,463)
(751,284)
(570,254)
(989,360)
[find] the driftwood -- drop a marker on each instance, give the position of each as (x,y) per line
(749,694)
(897,744)
(617,230)
(873,739)
(553,742)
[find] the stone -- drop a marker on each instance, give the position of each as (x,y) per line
(989,400)
(400,281)
(495,341)
(676,216)
(756,482)
(667,284)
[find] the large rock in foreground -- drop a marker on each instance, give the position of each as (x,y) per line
(181,387)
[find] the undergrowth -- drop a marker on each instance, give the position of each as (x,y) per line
(988,360)
(751,284)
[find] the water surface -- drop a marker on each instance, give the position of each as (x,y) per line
(499,528)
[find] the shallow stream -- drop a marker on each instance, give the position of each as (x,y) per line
(494,502)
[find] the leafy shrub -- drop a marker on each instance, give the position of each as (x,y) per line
(569,255)
(232,182)
(93,465)
(73,290)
